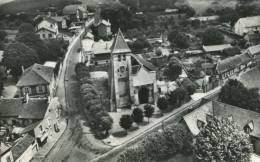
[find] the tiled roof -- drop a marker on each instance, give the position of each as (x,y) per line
(215,48)
(58,18)
(30,127)
(34,109)
(21,146)
(45,28)
(4,148)
(10,107)
(119,45)
(240,116)
(35,75)
(232,62)
(102,47)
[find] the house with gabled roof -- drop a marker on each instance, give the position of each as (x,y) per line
(247,24)
(47,28)
(133,79)
(248,121)
(37,81)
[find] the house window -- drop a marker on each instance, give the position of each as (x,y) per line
(119,58)
(40,89)
(51,26)
(248,128)
(124,57)
(41,129)
(50,35)
(43,35)
(27,90)
(200,124)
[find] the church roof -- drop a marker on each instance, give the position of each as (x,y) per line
(119,45)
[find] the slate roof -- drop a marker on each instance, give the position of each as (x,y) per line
(21,146)
(35,75)
(232,62)
(72,9)
(215,48)
(144,63)
(34,109)
(119,45)
(240,116)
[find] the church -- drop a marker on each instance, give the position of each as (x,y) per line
(133,79)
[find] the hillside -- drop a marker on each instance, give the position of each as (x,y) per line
(33,5)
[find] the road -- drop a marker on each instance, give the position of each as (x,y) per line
(67,147)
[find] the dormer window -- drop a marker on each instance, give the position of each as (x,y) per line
(200,124)
(51,26)
(248,128)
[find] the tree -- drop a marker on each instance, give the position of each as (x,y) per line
(189,85)
(33,41)
(222,140)
(236,94)
(212,36)
(17,55)
(148,111)
(140,44)
(162,103)
(56,48)
(178,96)
(137,115)
(126,122)
(178,38)
(25,27)
(173,70)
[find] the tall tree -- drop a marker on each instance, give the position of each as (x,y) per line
(173,70)
(137,115)
(25,27)
(126,122)
(236,94)
(18,55)
(179,39)
(222,140)
(162,103)
(33,41)
(212,36)
(148,111)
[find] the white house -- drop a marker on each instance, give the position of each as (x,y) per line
(47,28)
(247,24)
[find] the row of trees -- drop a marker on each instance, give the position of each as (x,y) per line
(160,146)
(29,49)
(137,116)
(92,104)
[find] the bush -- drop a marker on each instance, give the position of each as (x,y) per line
(137,115)
(162,103)
(148,111)
(126,122)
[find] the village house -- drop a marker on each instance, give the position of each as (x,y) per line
(205,19)
(101,52)
(252,39)
(37,81)
(247,24)
(232,66)
(247,120)
(87,43)
(167,16)
(75,12)
(5,152)
(22,112)
(216,49)
(254,51)
(47,28)
(101,28)
(133,78)
(61,22)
